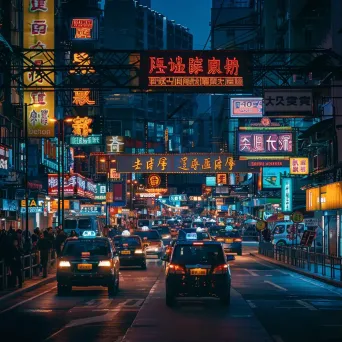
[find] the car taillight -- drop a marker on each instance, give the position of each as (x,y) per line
(237,240)
(176,269)
(219,239)
(221,269)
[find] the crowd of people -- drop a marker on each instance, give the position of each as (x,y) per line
(14,244)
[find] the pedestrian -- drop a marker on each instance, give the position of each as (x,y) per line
(59,241)
(73,233)
(15,264)
(44,246)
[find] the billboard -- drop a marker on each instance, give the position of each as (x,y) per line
(186,70)
(180,163)
(271,177)
(90,140)
(299,166)
(210,181)
(286,195)
(83,29)
(261,142)
(100,194)
(289,101)
(39,35)
(246,107)
(115,144)
(4,160)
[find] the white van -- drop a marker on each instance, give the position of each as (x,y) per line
(284,233)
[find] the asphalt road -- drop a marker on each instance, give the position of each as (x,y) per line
(268,304)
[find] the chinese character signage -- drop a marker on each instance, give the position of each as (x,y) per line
(290,102)
(94,139)
(39,35)
(180,163)
(81,126)
(222,178)
(84,97)
(299,166)
(259,142)
(154,181)
(82,64)
(88,209)
(115,144)
(4,159)
(268,163)
(246,107)
(200,70)
(286,194)
(84,29)
(271,177)
(100,194)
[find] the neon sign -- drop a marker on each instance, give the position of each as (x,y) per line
(83,29)
(194,69)
(81,126)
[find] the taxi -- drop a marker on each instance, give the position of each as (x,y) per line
(231,241)
(88,260)
(152,241)
(194,234)
(197,269)
(131,250)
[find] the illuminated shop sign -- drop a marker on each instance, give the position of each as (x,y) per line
(271,177)
(180,163)
(154,181)
(4,160)
(87,209)
(286,194)
(115,144)
(222,178)
(100,194)
(268,163)
(246,107)
(200,70)
(94,139)
(210,181)
(81,126)
(83,97)
(39,35)
(259,142)
(84,29)
(299,166)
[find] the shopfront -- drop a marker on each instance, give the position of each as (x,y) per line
(326,202)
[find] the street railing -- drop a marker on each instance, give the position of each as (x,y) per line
(318,263)
(30,267)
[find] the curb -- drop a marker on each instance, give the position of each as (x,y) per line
(28,288)
(332,282)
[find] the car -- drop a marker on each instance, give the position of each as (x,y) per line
(131,250)
(88,260)
(153,242)
(286,233)
(231,241)
(197,269)
(214,230)
(193,234)
(164,231)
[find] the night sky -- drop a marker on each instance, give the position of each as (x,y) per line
(189,14)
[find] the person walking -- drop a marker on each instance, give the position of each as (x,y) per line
(59,241)
(44,246)
(15,264)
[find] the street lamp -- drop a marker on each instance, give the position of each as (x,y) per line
(61,137)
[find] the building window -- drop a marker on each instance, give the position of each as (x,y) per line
(128,133)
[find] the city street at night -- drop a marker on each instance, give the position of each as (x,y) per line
(268,304)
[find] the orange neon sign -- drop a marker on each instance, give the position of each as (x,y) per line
(82,97)
(83,28)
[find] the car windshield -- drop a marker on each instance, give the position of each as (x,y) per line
(70,224)
(198,224)
(120,241)
(232,233)
(84,223)
(143,223)
(192,255)
(163,230)
(149,235)
(93,246)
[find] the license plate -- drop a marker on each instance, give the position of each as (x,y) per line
(125,252)
(198,272)
(84,267)
(229,240)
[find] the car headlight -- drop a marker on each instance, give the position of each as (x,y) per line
(64,264)
(138,251)
(166,236)
(105,263)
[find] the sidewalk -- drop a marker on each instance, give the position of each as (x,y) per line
(28,285)
(311,272)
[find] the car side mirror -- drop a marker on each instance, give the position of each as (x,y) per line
(165,257)
(230,257)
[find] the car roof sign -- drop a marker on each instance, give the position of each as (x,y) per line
(89,233)
(191,236)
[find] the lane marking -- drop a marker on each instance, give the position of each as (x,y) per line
(319,285)
(306,305)
(27,300)
(251,304)
(275,285)
(277,338)
(261,263)
(268,275)
(251,272)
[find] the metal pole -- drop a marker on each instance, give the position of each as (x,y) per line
(63,144)
(26,176)
(107,190)
(58,174)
